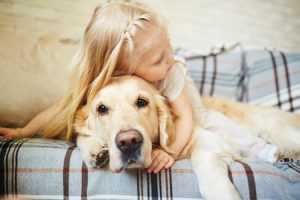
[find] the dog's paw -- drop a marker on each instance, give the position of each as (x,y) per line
(269,153)
(100,159)
(94,152)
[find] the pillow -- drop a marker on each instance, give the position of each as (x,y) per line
(273,78)
(262,77)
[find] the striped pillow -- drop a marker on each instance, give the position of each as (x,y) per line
(274,79)
(255,76)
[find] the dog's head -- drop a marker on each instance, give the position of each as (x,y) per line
(128,115)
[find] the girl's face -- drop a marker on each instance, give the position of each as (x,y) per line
(154,55)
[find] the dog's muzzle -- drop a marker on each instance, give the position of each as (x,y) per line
(129,143)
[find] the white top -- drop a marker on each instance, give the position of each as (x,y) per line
(172,85)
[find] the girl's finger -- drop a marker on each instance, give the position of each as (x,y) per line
(169,163)
(155,162)
(160,166)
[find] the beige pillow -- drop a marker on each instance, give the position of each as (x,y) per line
(33,74)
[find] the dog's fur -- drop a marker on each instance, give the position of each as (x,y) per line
(154,123)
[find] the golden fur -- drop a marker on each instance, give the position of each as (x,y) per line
(155,124)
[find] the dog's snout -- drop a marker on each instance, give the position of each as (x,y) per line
(129,140)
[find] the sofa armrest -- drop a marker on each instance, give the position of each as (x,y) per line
(51,169)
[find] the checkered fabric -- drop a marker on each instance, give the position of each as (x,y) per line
(49,169)
(262,77)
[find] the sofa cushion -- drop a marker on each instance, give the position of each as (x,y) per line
(51,169)
(273,78)
(262,77)
(33,74)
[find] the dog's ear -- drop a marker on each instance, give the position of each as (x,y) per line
(80,124)
(165,121)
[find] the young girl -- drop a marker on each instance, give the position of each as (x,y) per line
(121,38)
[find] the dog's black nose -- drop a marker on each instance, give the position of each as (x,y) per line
(129,141)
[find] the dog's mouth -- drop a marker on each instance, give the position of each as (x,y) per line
(129,143)
(131,158)
(131,164)
(135,160)
(131,151)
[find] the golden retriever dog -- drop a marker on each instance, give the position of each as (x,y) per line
(128,117)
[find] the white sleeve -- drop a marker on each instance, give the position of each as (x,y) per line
(174,82)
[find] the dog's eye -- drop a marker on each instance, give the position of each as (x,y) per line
(102,109)
(141,102)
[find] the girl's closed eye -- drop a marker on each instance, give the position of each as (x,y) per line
(160,59)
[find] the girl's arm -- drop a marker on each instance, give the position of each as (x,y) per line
(183,127)
(34,126)
(183,122)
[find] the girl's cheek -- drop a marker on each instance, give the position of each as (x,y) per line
(170,58)
(170,54)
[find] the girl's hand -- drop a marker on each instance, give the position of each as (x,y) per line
(160,160)
(11,132)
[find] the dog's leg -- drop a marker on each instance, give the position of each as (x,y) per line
(94,152)
(277,127)
(210,159)
(286,138)
(273,125)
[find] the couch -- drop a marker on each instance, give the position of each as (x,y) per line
(37,168)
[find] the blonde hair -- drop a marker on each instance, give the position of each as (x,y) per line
(109,35)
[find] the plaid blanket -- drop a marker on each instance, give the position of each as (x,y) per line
(262,77)
(48,169)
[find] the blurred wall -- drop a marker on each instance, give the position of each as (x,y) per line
(199,24)
(193,24)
